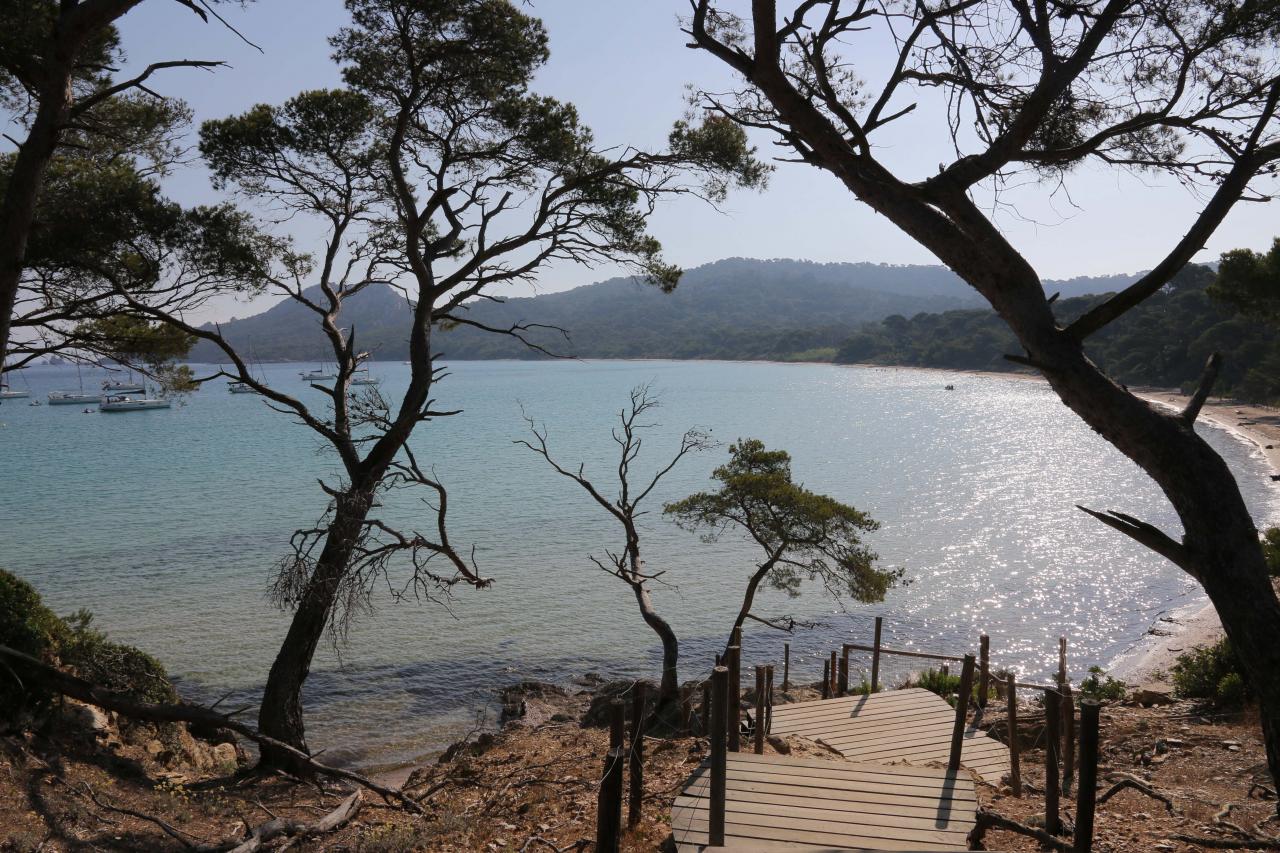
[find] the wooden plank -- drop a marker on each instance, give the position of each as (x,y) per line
(904,738)
(833,820)
(767,792)
(800,821)
(693,830)
(861,788)
(820,763)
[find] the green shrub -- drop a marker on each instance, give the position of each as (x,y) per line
(935,681)
(1213,673)
(115,666)
(1101,686)
(29,627)
(1271,547)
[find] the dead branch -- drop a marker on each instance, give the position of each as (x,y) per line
(1146,534)
(1127,781)
(294,829)
(169,829)
(1197,401)
(990,820)
(1231,843)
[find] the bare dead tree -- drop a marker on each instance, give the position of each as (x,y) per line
(626,564)
(1033,90)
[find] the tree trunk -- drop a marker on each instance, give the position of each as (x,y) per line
(669,689)
(1220,546)
(280,716)
(748,598)
(18,206)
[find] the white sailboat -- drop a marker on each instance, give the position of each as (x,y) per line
(124,403)
(360,376)
(320,374)
(73,398)
(126,386)
(7,393)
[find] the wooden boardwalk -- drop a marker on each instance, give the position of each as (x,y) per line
(776,802)
(895,727)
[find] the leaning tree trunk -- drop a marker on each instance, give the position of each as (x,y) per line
(18,206)
(1220,546)
(669,688)
(280,716)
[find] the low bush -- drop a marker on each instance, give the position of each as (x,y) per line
(30,627)
(1212,673)
(1101,686)
(1271,547)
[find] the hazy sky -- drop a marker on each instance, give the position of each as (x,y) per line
(624,63)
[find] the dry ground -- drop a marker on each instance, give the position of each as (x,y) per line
(533,788)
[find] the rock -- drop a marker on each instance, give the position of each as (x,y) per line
(225,754)
(531,702)
(1151,694)
(597,714)
(1164,845)
(780,744)
(154,749)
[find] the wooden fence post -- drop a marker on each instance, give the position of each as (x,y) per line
(1015,747)
(1068,737)
(734,708)
(826,679)
(768,692)
(835,667)
(609,800)
(875,657)
(786,667)
(635,789)
(1052,743)
(706,707)
(1088,790)
(719,723)
(843,681)
(1062,659)
(984,670)
(962,712)
(760,705)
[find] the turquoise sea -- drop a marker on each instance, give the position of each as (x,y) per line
(167,525)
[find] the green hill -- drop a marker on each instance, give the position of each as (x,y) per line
(735,308)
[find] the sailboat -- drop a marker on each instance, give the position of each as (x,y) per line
(8,392)
(128,386)
(318,375)
(360,376)
(245,387)
(125,403)
(73,398)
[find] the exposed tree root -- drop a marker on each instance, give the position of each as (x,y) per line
(990,820)
(1231,843)
(1127,781)
(258,836)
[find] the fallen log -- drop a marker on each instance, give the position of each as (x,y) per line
(990,820)
(91,694)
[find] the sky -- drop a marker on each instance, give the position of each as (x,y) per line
(625,65)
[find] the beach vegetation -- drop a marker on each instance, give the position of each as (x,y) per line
(802,535)
(27,626)
(1102,686)
(1271,548)
(1213,673)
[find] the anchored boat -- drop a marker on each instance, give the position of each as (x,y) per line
(122,403)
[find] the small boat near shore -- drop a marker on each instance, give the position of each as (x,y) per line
(123,403)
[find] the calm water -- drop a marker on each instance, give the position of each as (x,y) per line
(167,524)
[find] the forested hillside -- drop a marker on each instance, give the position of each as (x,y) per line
(1164,341)
(736,308)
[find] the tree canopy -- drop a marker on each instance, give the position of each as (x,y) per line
(804,535)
